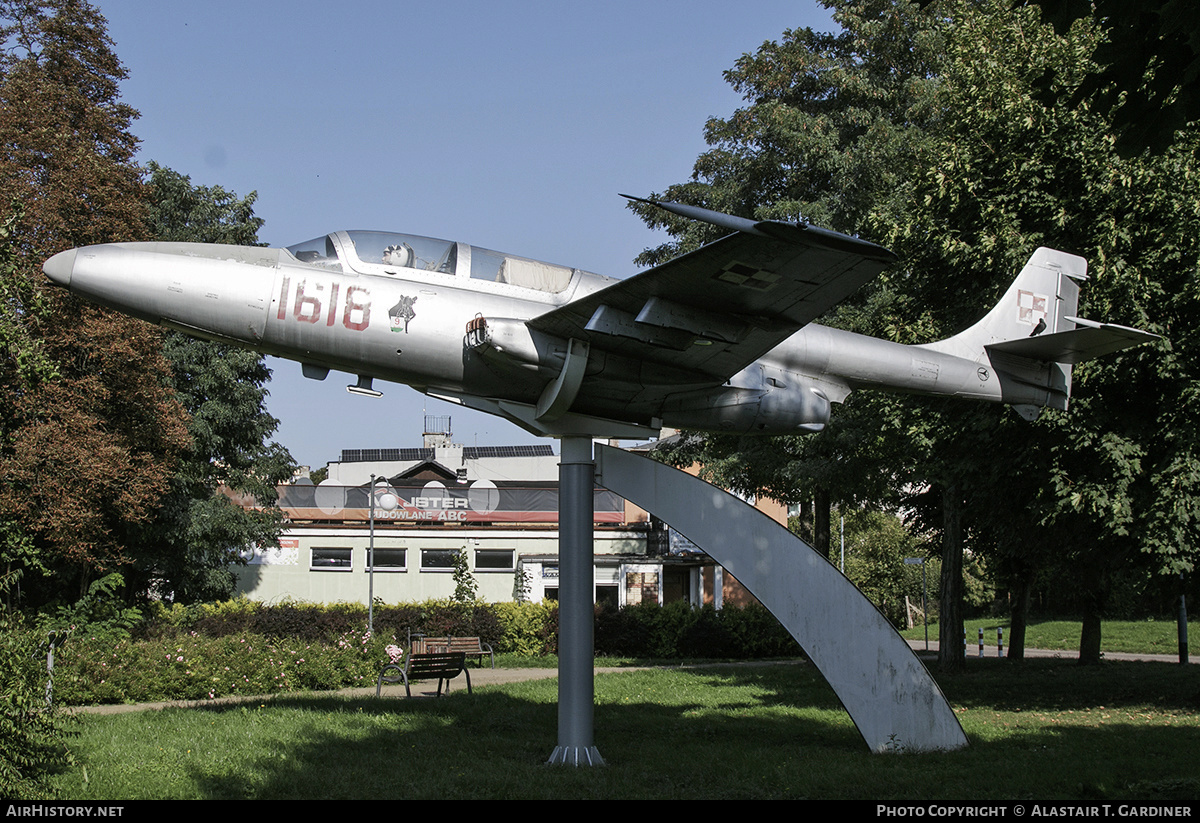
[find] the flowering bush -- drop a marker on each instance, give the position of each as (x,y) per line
(245,647)
(93,670)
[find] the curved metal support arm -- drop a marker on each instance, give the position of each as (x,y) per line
(889,694)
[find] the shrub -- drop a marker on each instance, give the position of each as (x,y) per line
(625,631)
(317,622)
(707,636)
(441,618)
(755,632)
(523,627)
(32,735)
(678,630)
(242,647)
(101,610)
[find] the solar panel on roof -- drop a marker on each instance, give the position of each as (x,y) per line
(379,455)
(478,452)
(469,453)
(413,454)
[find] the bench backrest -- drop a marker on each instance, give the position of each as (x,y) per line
(442,664)
(467,645)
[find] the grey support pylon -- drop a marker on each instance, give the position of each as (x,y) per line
(576,658)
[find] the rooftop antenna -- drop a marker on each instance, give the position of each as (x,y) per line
(438,431)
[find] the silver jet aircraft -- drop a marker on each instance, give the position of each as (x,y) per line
(720,339)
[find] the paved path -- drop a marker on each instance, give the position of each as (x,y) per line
(489,677)
(479,678)
(990,651)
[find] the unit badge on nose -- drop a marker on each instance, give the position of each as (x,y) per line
(401,313)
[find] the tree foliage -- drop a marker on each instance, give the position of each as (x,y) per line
(954,134)
(186,213)
(875,547)
(1112,481)
(200,531)
(1148,76)
(89,440)
(112,455)
(32,734)
(466,588)
(830,130)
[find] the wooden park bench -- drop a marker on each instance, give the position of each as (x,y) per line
(470,646)
(442,665)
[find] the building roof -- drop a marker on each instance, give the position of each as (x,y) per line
(468,453)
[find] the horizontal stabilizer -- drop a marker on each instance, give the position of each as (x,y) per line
(1077,345)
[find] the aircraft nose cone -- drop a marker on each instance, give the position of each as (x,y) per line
(59,267)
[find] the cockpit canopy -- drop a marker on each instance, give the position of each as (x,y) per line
(377,252)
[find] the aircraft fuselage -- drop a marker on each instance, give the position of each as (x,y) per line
(717,340)
(411,326)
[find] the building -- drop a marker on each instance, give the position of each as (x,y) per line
(498,504)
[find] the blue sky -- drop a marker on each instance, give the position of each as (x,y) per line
(507,125)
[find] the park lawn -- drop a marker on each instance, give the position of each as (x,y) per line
(1047,729)
(1127,636)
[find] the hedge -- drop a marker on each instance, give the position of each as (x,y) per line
(245,647)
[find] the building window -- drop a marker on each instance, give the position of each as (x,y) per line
(389,560)
(494,560)
(330,560)
(609,596)
(437,560)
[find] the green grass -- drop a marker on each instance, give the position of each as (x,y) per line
(1132,636)
(550,661)
(1048,729)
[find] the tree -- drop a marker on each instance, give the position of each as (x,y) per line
(25,361)
(831,129)
(876,545)
(23,367)
(1114,479)
(184,213)
(88,447)
(834,129)
(1148,76)
(1147,66)
(200,531)
(932,132)
(466,589)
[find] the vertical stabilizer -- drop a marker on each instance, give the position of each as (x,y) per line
(1041,302)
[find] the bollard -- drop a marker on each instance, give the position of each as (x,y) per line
(981,641)
(999,641)
(51,639)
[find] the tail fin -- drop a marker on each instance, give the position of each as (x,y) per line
(1031,338)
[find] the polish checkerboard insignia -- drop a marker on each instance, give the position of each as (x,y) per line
(1031,307)
(740,274)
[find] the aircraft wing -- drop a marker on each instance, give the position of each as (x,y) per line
(716,310)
